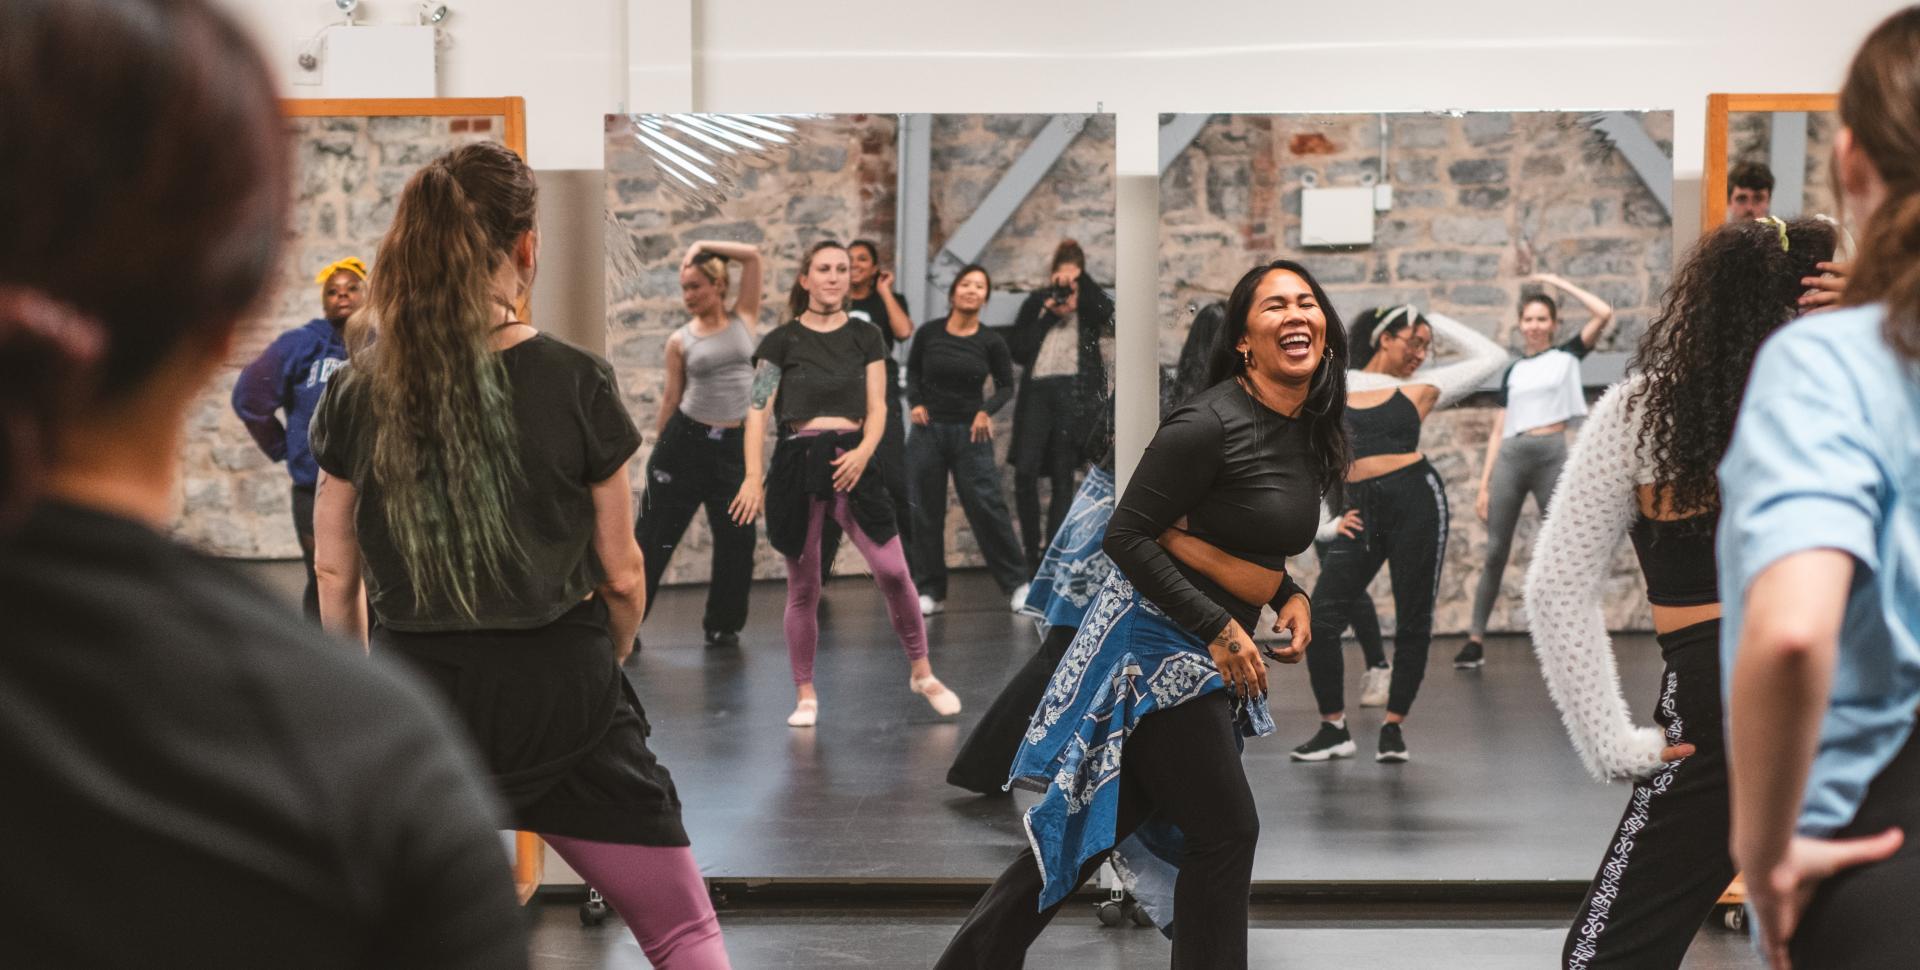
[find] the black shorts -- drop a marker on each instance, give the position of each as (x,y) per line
(556,723)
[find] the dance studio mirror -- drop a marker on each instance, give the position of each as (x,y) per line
(930,193)
(1455,219)
(1768,154)
(350,159)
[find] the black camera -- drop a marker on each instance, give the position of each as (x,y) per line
(1059,293)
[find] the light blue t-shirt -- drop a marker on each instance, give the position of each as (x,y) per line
(1826,455)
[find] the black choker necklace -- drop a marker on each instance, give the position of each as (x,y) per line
(825,313)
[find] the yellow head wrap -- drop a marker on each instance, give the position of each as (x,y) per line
(351,264)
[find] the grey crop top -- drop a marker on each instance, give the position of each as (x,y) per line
(719,373)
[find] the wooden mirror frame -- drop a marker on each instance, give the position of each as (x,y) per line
(514,110)
(1713,175)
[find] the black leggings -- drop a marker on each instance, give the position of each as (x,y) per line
(1404,525)
(1862,919)
(693,466)
(1667,862)
(1184,762)
(986,756)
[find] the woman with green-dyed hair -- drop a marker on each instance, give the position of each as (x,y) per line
(474,478)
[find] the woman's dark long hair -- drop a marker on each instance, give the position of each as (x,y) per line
(1738,286)
(1325,410)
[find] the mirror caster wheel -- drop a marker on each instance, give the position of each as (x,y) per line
(1137,913)
(1111,913)
(1734,918)
(593,912)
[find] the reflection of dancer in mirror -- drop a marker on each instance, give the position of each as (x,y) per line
(1063,412)
(820,375)
(1820,560)
(1395,515)
(1644,468)
(474,471)
(1539,394)
(1071,575)
(953,435)
(1141,771)
(699,458)
(173,736)
(1749,192)
(871,297)
(289,376)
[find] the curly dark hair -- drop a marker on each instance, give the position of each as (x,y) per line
(1738,286)
(1325,409)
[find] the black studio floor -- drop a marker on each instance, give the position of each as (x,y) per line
(1472,855)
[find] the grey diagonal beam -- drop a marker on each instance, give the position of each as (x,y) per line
(1020,179)
(1653,165)
(913,210)
(1787,156)
(1176,133)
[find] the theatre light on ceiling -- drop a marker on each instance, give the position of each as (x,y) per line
(432,13)
(347,8)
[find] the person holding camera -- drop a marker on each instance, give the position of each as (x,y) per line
(1061,415)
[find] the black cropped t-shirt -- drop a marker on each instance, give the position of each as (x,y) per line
(1245,478)
(822,374)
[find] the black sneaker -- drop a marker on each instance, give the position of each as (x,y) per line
(720,639)
(1393,747)
(1470,656)
(1327,743)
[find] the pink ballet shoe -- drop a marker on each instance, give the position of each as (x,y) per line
(945,703)
(804,713)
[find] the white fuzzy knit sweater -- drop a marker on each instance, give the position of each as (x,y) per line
(1592,510)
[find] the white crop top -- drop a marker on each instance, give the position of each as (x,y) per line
(1545,388)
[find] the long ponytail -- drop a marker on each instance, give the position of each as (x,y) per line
(445,449)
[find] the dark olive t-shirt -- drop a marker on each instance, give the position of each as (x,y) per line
(821,374)
(573,431)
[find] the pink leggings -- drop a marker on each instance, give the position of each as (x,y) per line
(658,891)
(888,562)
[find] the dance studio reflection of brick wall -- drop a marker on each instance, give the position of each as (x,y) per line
(1476,199)
(348,173)
(840,182)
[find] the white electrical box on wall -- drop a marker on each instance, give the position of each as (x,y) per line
(1336,217)
(378,61)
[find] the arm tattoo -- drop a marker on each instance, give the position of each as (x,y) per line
(766,380)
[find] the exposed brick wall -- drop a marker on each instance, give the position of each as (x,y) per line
(1476,198)
(839,181)
(348,173)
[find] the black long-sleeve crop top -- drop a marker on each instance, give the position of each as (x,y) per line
(1245,478)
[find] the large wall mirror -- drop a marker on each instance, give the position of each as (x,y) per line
(350,159)
(1768,154)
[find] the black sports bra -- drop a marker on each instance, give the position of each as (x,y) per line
(1391,427)
(1676,555)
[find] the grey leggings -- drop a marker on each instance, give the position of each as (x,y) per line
(1528,464)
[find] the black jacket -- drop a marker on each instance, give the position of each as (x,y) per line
(1091,424)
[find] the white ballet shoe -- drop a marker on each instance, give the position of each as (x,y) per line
(945,703)
(804,713)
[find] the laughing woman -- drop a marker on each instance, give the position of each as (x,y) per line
(1246,463)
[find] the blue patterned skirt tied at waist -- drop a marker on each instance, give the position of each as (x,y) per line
(1074,568)
(1128,661)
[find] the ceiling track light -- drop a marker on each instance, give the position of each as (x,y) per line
(432,13)
(347,8)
